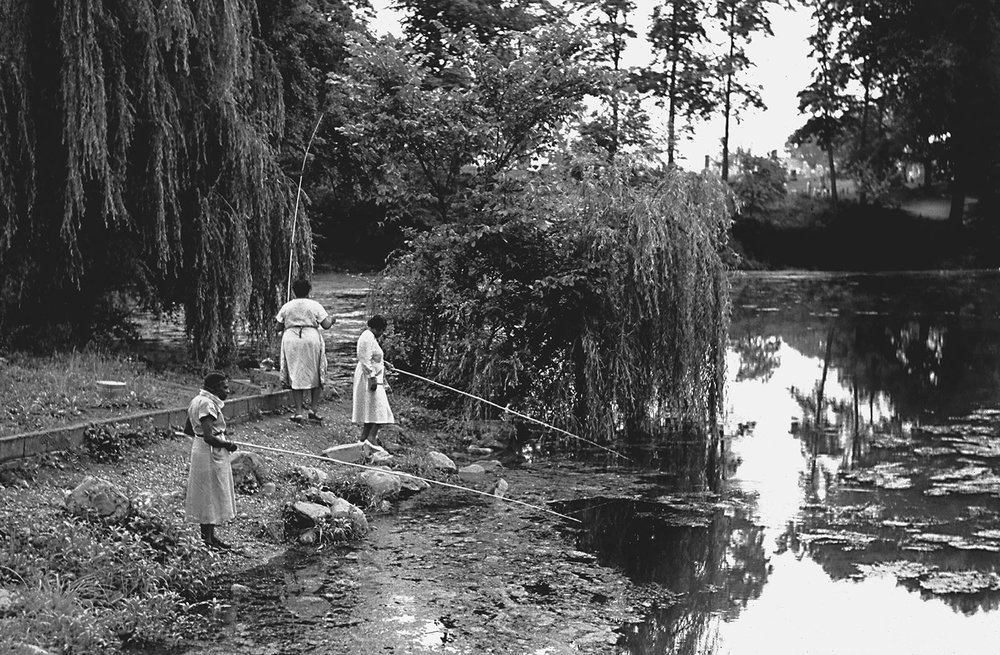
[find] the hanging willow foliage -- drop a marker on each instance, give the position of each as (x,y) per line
(601,305)
(138,152)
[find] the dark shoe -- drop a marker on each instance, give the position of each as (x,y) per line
(313,416)
(298,418)
(220,545)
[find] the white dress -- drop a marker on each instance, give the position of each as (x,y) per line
(370,406)
(211,497)
(303,349)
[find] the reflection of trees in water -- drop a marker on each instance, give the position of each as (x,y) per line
(691,459)
(758,356)
(719,566)
(928,364)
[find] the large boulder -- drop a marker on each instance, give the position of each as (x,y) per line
(97,497)
(441,461)
(311,511)
(340,508)
(382,484)
(247,472)
(490,465)
(473,471)
(410,485)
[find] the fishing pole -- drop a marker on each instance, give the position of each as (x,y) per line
(295,214)
(509,410)
(399,473)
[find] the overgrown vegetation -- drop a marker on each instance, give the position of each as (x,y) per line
(79,586)
(109,443)
(600,303)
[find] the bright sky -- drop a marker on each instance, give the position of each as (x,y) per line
(782,69)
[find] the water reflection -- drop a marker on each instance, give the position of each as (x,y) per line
(874,465)
(708,551)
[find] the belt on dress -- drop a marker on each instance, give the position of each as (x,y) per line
(299,328)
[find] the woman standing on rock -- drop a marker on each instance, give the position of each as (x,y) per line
(303,349)
(211,497)
(371,404)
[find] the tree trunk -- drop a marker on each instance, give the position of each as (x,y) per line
(728,99)
(822,380)
(863,142)
(833,175)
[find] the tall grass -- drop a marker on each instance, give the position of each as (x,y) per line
(87,587)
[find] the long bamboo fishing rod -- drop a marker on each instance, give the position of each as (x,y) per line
(295,214)
(399,473)
(510,411)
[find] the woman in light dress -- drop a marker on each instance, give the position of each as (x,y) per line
(371,404)
(303,349)
(211,497)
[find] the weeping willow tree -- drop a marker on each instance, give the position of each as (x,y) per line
(138,160)
(601,304)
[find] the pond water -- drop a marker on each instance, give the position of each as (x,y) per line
(860,510)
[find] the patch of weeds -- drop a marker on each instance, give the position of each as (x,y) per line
(109,443)
(354,491)
(87,587)
(420,465)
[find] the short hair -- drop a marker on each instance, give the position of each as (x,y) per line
(301,287)
(377,322)
(214,379)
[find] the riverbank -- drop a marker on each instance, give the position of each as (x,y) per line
(480,575)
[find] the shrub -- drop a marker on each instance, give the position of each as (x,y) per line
(595,303)
(760,185)
(108,443)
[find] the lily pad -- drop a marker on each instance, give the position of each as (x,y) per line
(988,484)
(933,451)
(838,537)
(883,476)
(901,569)
(964,473)
(960,582)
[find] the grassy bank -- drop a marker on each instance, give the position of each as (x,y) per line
(45,392)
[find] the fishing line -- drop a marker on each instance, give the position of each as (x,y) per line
(510,411)
(399,473)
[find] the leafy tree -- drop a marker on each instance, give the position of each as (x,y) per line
(760,184)
(428,22)
(438,142)
(928,73)
(677,35)
(740,21)
(621,121)
(825,99)
(139,155)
